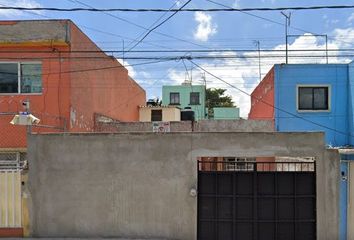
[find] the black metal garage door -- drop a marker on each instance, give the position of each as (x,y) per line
(257,202)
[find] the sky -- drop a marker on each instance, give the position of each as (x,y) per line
(186,31)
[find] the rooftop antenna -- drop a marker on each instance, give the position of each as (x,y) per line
(123,52)
(258,45)
(287,23)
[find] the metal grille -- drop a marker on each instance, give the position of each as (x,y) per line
(271,201)
(13,160)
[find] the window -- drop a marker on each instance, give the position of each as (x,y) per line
(239,164)
(194,98)
(174,98)
(156,115)
(313,98)
(20,78)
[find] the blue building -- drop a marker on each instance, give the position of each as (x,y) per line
(312,97)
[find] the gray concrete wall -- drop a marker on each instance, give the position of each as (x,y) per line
(34,31)
(240,125)
(137,185)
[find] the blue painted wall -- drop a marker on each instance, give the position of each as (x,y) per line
(351,102)
(286,80)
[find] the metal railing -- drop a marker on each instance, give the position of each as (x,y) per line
(258,166)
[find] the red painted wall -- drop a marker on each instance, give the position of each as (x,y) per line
(262,99)
(11,232)
(71,94)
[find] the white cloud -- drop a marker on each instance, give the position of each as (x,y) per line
(242,72)
(350,18)
(131,71)
(16,3)
(236,4)
(206,28)
(272,1)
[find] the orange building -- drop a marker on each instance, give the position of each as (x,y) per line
(262,99)
(65,77)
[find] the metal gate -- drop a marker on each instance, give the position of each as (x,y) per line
(10,190)
(257,200)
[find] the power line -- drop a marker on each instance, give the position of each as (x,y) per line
(269,104)
(119,18)
(177,10)
(152,25)
(158,25)
(183,50)
(189,57)
(270,20)
(91,69)
(142,27)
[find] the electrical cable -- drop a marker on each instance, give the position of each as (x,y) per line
(158,25)
(269,20)
(140,26)
(152,25)
(269,104)
(177,10)
(184,50)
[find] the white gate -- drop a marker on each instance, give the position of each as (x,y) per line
(10,194)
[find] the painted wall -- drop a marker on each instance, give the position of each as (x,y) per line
(71,94)
(288,77)
(169,114)
(51,106)
(240,125)
(350,87)
(94,185)
(224,113)
(185,90)
(262,99)
(109,91)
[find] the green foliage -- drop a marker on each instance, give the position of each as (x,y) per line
(215,98)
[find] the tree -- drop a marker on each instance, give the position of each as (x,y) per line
(215,98)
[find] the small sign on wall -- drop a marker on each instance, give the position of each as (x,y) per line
(161,127)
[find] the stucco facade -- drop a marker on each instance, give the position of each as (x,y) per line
(283,103)
(226,113)
(96,185)
(168,114)
(277,98)
(74,84)
(184,98)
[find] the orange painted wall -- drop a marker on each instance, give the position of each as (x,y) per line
(261,97)
(69,99)
(110,92)
(51,106)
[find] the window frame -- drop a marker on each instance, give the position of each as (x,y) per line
(239,164)
(190,98)
(156,110)
(328,86)
(179,98)
(19,78)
